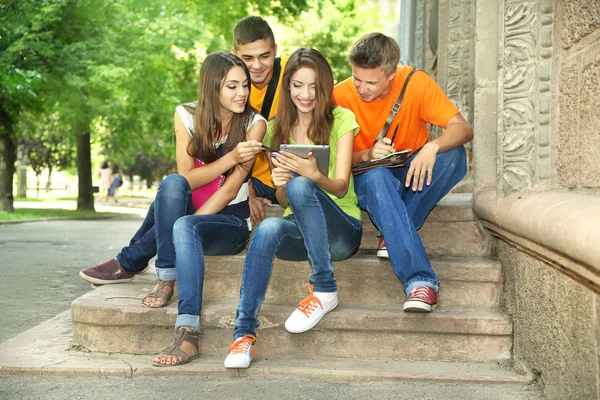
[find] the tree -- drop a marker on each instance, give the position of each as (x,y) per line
(26,46)
(113,71)
(47,146)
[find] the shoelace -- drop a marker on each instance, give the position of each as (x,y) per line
(309,304)
(420,293)
(241,345)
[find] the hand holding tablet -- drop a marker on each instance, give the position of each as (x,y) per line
(319,152)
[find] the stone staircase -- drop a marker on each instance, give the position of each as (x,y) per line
(367,327)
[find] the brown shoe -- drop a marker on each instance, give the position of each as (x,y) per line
(106,273)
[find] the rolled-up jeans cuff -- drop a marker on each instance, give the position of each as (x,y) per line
(415,284)
(193,321)
(166,274)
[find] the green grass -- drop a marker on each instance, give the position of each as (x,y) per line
(74,198)
(34,213)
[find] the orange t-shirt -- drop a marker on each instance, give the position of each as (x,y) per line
(424,102)
(261,169)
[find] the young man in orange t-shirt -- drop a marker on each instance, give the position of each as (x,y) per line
(398,200)
(254,43)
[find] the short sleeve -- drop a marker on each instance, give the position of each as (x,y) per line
(255,118)
(436,108)
(186,117)
(345,121)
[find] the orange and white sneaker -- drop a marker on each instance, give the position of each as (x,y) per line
(311,310)
(241,352)
(382,249)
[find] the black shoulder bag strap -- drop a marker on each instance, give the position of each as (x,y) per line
(395,108)
(270,95)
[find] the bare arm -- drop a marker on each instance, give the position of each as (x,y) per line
(234,181)
(198,177)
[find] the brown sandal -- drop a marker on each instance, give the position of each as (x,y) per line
(183,335)
(159,292)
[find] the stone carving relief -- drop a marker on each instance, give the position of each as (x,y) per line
(525,93)
(461,35)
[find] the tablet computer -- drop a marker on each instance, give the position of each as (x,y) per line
(319,151)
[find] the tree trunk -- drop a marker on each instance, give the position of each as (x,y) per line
(7,170)
(85,197)
(37,184)
(23,163)
(49,180)
(7,161)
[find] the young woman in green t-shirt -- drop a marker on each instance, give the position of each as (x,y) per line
(322,219)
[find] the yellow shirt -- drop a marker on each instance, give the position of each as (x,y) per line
(261,170)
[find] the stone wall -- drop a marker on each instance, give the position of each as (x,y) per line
(556,325)
(537,166)
(578,133)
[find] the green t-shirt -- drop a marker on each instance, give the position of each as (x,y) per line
(343,122)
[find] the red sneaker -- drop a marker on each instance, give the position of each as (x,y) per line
(382,249)
(421,299)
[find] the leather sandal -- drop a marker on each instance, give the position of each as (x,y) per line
(183,335)
(159,292)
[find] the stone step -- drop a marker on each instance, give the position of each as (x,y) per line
(362,279)
(111,319)
(450,229)
(46,350)
(454,207)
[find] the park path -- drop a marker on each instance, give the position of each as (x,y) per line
(41,262)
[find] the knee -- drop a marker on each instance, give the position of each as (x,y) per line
(270,227)
(374,181)
(183,230)
(174,185)
(456,161)
(299,187)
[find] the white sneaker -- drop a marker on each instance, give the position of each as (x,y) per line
(311,310)
(241,352)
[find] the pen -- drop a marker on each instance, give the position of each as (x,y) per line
(394,135)
(265,148)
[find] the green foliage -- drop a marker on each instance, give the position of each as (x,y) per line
(332,27)
(46,144)
(27,46)
(118,68)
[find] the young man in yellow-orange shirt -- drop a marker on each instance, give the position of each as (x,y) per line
(254,43)
(399,199)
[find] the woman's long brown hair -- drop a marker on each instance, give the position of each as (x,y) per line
(208,126)
(287,114)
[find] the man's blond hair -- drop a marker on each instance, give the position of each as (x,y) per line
(375,50)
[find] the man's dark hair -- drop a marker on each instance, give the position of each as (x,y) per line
(251,29)
(375,50)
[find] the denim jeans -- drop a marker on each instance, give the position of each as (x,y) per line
(318,231)
(196,236)
(263,190)
(398,211)
(173,200)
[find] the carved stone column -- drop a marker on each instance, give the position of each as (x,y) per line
(525,99)
(457,41)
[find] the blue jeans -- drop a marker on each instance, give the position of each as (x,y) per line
(196,236)
(173,200)
(263,190)
(398,212)
(318,231)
